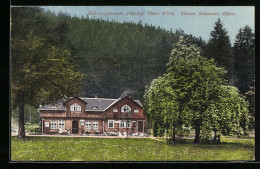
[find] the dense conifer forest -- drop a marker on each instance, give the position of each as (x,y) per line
(118,58)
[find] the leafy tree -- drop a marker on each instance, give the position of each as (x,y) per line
(183,93)
(196,79)
(219,48)
(40,73)
(227,115)
(162,108)
(244,55)
(192,93)
(250,98)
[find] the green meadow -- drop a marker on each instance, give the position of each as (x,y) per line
(131,149)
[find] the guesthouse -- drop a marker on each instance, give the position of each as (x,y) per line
(101,116)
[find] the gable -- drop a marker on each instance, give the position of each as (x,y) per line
(75,104)
(73,99)
(126,101)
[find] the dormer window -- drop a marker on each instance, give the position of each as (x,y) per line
(54,106)
(94,107)
(125,109)
(75,107)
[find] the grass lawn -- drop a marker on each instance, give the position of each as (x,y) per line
(132,149)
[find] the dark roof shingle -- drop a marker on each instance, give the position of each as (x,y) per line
(92,104)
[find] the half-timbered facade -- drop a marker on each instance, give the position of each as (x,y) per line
(94,116)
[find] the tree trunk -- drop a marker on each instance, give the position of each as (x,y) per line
(12,120)
(215,137)
(21,132)
(29,114)
(218,141)
(197,135)
(173,135)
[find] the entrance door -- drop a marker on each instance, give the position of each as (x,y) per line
(140,126)
(75,127)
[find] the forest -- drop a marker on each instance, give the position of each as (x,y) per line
(119,59)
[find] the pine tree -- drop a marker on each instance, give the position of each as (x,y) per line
(244,48)
(219,48)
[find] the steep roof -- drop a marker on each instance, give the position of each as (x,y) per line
(101,103)
(92,104)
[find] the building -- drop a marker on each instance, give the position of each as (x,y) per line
(94,116)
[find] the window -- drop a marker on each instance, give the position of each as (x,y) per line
(75,107)
(125,109)
(61,124)
(124,124)
(88,125)
(115,110)
(95,125)
(82,122)
(110,123)
(127,124)
(94,107)
(46,124)
(136,111)
(53,124)
(54,106)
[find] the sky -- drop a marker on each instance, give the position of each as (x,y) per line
(195,20)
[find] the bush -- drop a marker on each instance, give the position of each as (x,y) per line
(32,128)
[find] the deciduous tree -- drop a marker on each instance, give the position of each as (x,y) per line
(184,92)
(227,115)
(40,73)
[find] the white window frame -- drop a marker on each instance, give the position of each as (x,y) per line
(82,122)
(127,124)
(53,124)
(127,107)
(88,125)
(47,124)
(121,122)
(124,124)
(136,110)
(115,110)
(109,121)
(94,124)
(75,107)
(61,124)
